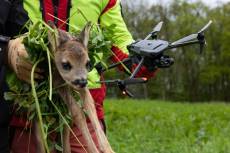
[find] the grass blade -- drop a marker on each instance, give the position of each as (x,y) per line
(39,114)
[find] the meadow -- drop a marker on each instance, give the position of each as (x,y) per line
(145,126)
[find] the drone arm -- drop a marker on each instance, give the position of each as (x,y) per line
(135,81)
(171,46)
(197,38)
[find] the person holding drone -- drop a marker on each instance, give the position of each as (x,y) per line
(13,16)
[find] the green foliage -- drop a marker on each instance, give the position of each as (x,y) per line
(36,43)
(100,45)
(166,127)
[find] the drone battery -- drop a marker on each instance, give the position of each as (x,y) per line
(150,48)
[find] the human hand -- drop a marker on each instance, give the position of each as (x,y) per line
(17,55)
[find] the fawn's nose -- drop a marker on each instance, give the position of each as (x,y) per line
(81,82)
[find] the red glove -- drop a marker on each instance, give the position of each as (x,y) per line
(120,56)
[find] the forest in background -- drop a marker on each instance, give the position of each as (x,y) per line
(194,76)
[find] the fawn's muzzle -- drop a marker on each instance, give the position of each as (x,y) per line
(81,82)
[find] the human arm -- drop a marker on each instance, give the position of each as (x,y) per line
(5,6)
(13,52)
(121,37)
(4,109)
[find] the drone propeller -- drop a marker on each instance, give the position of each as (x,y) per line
(201,37)
(205,27)
(193,38)
(156,29)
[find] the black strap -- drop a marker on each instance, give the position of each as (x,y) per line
(3,49)
(99,68)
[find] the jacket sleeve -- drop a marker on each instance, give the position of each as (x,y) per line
(4,109)
(5,6)
(4,12)
(111,17)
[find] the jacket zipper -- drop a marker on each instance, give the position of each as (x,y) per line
(55,4)
(56,15)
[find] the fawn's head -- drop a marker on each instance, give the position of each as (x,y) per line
(71,55)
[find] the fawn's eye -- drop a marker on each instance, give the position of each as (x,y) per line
(66,66)
(89,66)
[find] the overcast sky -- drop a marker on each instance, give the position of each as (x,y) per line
(211,3)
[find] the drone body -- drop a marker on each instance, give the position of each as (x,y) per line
(151,50)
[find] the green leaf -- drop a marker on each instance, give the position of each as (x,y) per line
(59,148)
(8,96)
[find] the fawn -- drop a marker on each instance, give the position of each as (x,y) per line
(72,61)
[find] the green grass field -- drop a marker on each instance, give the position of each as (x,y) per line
(136,126)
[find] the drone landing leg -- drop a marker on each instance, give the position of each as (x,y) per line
(137,68)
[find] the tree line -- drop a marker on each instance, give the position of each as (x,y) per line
(194,76)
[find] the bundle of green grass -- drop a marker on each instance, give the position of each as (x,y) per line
(39,100)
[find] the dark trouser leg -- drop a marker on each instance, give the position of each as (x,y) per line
(4,126)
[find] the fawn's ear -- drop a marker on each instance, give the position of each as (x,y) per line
(57,36)
(53,36)
(84,35)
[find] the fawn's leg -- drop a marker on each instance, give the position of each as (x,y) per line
(66,137)
(40,148)
(89,105)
